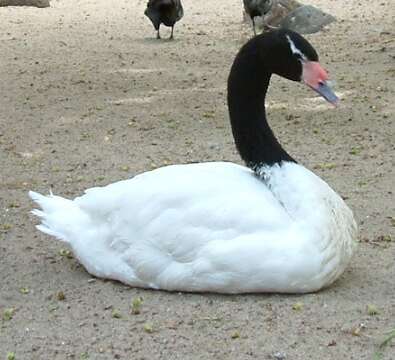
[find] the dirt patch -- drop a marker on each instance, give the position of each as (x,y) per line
(89,96)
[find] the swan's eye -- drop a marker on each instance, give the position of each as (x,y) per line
(295,51)
(298,57)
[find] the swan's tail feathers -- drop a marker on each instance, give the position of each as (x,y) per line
(60,217)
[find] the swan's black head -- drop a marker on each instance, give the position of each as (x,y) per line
(281,52)
(288,54)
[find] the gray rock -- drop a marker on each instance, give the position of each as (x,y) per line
(36,3)
(306,19)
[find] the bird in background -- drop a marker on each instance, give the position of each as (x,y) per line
(256,8)
(166,12)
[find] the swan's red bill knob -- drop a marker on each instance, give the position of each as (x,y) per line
(315,76)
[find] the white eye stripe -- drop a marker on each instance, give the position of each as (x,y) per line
(294,49)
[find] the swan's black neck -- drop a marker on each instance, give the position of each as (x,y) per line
(247,86)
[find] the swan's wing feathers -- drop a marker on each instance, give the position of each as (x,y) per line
(171,235)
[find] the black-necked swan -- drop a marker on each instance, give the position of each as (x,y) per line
(166,12)
(272,226)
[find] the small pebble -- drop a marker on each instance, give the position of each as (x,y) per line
(279,355)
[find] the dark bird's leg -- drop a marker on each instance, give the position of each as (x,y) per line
(171,35)
(253,26)
(157,33)
(271,27)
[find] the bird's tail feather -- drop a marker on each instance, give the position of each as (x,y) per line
(60,217)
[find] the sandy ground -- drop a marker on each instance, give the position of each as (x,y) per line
(89,96)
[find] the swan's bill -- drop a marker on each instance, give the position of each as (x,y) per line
(315,76)
(327,93)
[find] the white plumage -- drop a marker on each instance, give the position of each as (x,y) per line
(209,227)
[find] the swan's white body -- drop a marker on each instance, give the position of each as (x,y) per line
(209,227)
